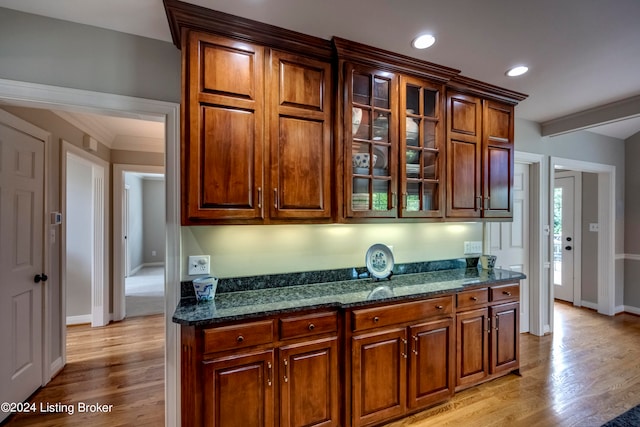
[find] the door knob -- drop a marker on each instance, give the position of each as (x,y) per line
(40,278)
(568,248)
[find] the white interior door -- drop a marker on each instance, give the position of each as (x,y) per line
(564,235)
(509,241)
(21,260)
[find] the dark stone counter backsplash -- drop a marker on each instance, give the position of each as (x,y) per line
(269,281)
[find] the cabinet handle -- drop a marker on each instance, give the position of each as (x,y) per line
(376,319)
(485,206)
(404,200)
(275,198)
(488,325)
(259,197)
(439,307)
(404,353)
(240,338)
(415,345)
(286,371)
(475,204)
(270,376)
(497,322)
(474,298)
(311,326)
(394,200)
(507,293)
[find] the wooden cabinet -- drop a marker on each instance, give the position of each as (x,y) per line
(257,132)
(239,391)
(421,174)
(254,374)
(488,333)
(479,157)
(402,359)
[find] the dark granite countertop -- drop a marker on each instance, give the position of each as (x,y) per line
(248,304)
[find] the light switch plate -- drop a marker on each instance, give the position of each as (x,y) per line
(474,247)
(199,264)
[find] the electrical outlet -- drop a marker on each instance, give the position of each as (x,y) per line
(474,247)
(199,264)
(594,226)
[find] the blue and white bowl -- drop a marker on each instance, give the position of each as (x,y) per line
(205,288)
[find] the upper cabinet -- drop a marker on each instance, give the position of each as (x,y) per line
(480,152)
(391,121)
(278,126)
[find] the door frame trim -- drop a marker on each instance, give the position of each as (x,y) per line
(119,264)
(538,208)
(606,220)
(46,96)
(99,315)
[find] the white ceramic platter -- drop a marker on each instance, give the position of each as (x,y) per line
(379,260)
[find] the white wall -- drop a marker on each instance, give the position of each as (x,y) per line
(135,236)
(153,202)
(79,223)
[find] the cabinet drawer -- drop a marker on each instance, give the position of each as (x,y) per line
(238,336)
(473,298)
(310,324)
(400,313)
(505,292)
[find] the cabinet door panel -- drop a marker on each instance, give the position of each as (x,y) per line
(309,384)
(431,371)
(378,376)
(228,70)
(464,115)
(463,193)
(506,337)
(238,391)
(300,138)
(472,346)
(498,160)
(227,168)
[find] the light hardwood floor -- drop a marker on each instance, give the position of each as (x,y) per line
(583,375)
(121,364)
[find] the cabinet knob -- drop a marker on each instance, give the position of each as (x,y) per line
(474,298)
(376,319)
(240,338)
(311,326)
(507,293)
(439,307)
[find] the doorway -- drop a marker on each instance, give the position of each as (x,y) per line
(567,242)
(139,240)
(604,223)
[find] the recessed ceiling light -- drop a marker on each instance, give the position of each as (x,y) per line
(517,71)
(423,41)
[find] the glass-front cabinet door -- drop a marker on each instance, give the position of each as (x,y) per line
(421,154)
(371,126)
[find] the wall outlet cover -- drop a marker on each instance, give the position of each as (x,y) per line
(199,264)
(474,247)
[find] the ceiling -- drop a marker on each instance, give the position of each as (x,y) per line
(583,55)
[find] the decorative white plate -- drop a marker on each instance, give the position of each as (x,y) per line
(379,260)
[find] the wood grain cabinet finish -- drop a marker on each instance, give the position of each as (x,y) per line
(487,333)
(239,391)
(480,149)
(402,359)
(257,134)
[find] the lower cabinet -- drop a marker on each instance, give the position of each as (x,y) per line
(487,333)
(395,370)
(309,384)
(353,367)
(239,391)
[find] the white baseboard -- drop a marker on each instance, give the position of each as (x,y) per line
(146,264)
(589,304)
(632,310)
(56,366)
(83,319)
(78,320)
